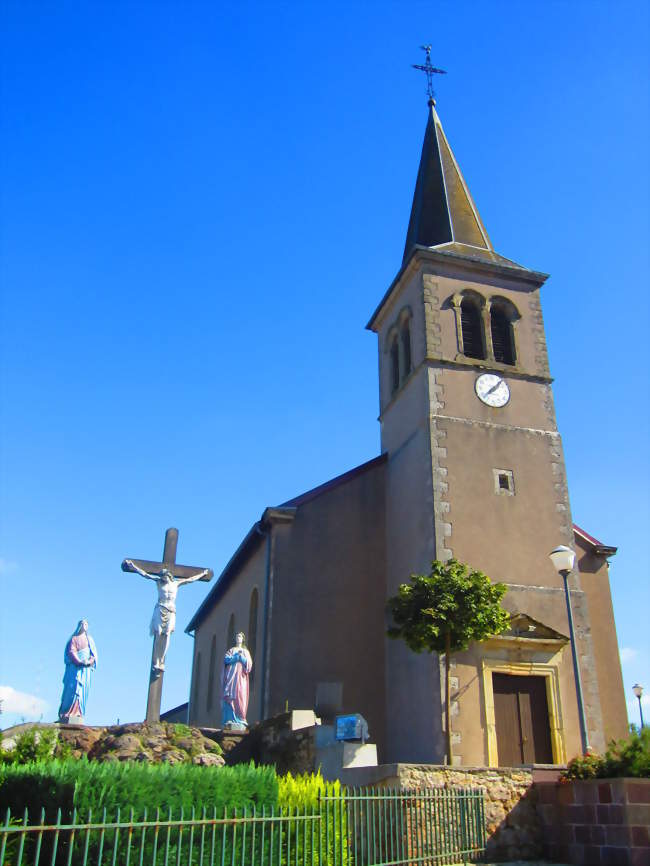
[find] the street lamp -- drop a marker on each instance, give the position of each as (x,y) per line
(563,559)
(638,691)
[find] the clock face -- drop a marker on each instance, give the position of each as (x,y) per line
(492,390)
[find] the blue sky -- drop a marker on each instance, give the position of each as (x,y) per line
(202,203)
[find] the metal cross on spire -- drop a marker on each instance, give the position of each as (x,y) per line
(429,71)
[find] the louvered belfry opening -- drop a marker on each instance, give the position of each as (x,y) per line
(470,318)
(502,343)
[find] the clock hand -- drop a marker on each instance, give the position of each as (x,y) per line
(494,387)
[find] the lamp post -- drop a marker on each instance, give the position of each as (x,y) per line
(638,691)
(563,559)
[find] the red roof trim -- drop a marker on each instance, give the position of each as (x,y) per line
(586,536)
(600,547)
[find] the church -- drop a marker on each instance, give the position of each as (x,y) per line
(471,467)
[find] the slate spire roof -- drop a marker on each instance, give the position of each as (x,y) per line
(444,216)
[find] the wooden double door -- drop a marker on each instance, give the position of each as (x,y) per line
(522,720)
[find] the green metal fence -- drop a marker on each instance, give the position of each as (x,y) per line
(427,826)
(376,827)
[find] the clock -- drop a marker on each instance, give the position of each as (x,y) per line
(492,390)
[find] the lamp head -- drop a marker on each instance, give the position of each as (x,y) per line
(562,558)
(638,690)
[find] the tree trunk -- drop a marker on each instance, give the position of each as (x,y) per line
(447,701)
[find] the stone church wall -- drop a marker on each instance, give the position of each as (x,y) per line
(410,539)
(507,536)
(234,602)
(329,596)
(594,578)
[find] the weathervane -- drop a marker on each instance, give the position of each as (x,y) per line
(429,71)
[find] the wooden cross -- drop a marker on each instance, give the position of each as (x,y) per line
(178,571)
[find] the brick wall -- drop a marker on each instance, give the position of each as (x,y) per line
(596,822)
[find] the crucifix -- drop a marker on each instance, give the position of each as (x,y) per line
(430,71)
(168,577)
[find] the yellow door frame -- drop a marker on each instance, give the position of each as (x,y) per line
(550,672)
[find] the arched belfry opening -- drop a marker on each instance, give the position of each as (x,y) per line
(472,327)
(503,341)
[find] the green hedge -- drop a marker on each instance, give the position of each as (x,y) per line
(90,785)
(86,785)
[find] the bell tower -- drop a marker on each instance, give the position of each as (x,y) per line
(475,468)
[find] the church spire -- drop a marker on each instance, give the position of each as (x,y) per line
(443,214)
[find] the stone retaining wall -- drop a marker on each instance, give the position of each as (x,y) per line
(275,742)
(513,823)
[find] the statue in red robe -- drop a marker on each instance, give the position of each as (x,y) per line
(237,665)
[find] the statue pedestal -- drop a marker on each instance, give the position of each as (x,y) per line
(299,719)
(72,720)
(333,755)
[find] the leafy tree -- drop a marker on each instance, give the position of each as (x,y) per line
(444,612)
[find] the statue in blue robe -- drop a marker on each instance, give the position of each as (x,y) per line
(80,659)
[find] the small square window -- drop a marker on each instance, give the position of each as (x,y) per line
(504,482)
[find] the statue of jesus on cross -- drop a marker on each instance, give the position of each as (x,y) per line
(163,621)
(169,575)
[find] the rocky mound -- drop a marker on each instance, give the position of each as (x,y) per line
(156,743)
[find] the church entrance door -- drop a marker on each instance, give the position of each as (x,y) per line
(522,721)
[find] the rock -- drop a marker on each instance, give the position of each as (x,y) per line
(130,728)
(124,748)
(155,743)
(174,757)
(208,759)
(80,740)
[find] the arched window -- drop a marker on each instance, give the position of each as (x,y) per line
(503,344)
(197,686)
(212,672)
(231,631)
(251,638)
(405,339)
(470,318)
(394,364)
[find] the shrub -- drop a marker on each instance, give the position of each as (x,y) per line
(629,757)
(35,744)
(305,793)
(625,758)
(583,767)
